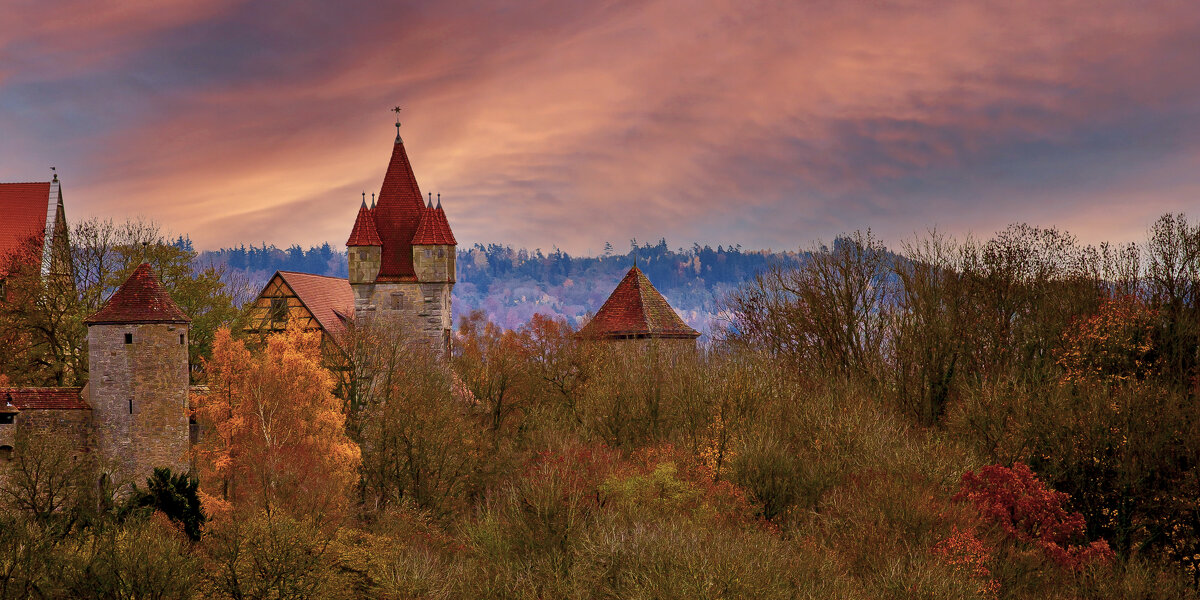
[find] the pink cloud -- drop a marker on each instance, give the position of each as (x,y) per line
(549,126)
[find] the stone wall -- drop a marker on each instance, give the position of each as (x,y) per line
(71,427)
(425,305)
(364,263)
(138,393)
(434,263)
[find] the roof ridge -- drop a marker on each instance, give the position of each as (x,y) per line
(310,274)
(642,300)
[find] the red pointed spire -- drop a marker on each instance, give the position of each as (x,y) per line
(635,309)
(434,228)
(141,299)
(364,233)
(444,226)
(397,214)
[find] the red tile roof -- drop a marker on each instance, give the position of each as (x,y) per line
(444,225)
(141,299)
(364,233)
(397,215)
(329,299)
(24,207)
(636,309)
(434,229)
(35,398)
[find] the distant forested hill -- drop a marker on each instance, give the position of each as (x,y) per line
(513,284)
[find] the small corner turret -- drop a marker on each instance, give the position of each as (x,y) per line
(363,248)
(434,246)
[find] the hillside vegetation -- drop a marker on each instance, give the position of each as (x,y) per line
(1009,418)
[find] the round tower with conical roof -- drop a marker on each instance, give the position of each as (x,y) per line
(138,383)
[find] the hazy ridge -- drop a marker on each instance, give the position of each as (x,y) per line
(511,284)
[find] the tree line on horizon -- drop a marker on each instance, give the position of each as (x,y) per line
(512,284)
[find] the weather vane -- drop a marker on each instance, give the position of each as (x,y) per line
(397,110)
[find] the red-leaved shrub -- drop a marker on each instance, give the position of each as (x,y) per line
(1029,511)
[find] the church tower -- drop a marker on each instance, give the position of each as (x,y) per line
(401,255)
(138,388)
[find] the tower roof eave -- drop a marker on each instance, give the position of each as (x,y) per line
(141,299)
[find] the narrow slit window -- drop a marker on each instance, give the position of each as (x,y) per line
(129,338)
(131,406)
(181,339)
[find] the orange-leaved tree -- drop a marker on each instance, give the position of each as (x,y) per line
(274,432)
(1115,345)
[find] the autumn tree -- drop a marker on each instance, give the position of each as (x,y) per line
(41,324)
(489,361)
(825,315)
(927,326)
(275,433)
(420,440)
(557,360)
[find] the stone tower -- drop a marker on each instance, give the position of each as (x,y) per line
(138,388)
(401,255)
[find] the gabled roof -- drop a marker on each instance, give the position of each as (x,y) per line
(636,309)
(434,229)
(397,215)
(324,297)
(43,398)
(364,233)
(141,299)
(26,208)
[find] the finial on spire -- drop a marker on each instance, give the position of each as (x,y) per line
(439,201)
(397,110)
(54,170)
(372,200)
(364,199)
(430,203)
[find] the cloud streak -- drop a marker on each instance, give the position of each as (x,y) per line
(554,124)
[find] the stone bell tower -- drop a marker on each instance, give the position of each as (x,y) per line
(401,255)
(138,388)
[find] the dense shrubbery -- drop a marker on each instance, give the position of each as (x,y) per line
(1009,419)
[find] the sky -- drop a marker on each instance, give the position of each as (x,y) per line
(563,124)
